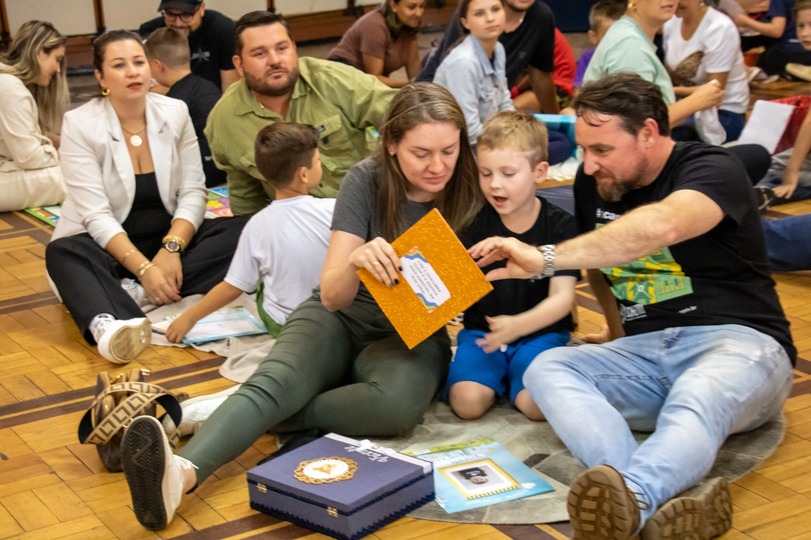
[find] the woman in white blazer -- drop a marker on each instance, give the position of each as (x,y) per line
(132,231)
(35,95)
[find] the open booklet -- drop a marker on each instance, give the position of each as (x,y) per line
(479,473)
(224,323)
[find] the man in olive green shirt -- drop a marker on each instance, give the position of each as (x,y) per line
(338,100)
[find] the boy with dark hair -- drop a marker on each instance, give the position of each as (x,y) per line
(168,52)
(601,16)
(519,319)
(282,248)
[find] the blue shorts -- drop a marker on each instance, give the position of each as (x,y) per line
(498,369)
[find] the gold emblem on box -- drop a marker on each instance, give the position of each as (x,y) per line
(325,470)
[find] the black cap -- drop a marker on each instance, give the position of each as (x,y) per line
(184,6)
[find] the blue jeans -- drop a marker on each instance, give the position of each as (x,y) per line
(691,387)
(788,243)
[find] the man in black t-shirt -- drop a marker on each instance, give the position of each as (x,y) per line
(701,348)
(210,34)
(529,43)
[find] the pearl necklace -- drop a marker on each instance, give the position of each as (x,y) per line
(135,139)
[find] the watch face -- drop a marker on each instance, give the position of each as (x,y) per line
(172,246)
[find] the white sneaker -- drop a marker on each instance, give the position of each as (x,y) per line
(136,291)
(196,411)
(122,341)
(154,474)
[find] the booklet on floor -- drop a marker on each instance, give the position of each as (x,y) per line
(479,473)
(224,323)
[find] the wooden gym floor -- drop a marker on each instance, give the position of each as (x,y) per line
(53,487)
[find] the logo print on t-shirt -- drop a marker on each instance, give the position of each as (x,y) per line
(654,278)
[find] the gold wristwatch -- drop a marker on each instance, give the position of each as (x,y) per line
(174,244)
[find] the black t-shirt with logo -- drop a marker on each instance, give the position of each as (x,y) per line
(719,277)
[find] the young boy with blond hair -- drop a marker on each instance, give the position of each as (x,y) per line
(504,331)
(282,248)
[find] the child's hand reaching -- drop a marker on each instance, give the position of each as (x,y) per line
(179,328)
(504,329)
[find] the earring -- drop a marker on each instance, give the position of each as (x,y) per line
(105,91)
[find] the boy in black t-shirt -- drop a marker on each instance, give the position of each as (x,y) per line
(168,52)
(519,319)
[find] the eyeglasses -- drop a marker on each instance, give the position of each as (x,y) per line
(172,15)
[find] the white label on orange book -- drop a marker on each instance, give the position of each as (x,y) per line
(424,280)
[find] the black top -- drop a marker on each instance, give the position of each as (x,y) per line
(200,95)
(212,45)
(148,219)
(719,277)
(514,296)
(531,44)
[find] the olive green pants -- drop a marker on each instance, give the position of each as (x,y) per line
(346,372)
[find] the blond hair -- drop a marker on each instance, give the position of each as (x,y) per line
(21,60)
(519,131)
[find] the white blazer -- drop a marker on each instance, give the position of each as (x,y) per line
(99,174)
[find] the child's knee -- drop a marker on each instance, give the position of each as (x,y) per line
(470,400)
(530,409)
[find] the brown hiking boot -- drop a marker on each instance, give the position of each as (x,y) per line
(700,513)
(601,507)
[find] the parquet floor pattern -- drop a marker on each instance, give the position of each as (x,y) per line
(53,487)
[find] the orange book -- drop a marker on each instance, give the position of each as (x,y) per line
(439,280)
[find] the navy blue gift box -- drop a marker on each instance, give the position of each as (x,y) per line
(340,487)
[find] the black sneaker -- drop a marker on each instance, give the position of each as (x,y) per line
(154,475)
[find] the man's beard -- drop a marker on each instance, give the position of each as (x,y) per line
(611,193)
(260,86)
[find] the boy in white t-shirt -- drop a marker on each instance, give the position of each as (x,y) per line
(282,248)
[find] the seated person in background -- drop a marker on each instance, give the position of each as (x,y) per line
(384,40)
(602,15)
(276,85)
(781,26)
(756,9)
(519,319)
(565,67)
(702,44)
(788,243)
(338,365)
(529,43)
(789,176)
(34,97)
(210,36)
(473,70)
(168,53)
(702,349)
(135,206)
(282,248)
(628,46)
